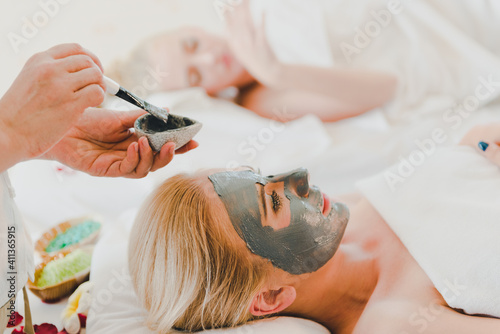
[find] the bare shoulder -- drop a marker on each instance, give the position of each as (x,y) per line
(387,317)
(251,95)
(259,99)
(405,317)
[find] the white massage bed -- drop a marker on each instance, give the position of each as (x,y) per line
(337,155)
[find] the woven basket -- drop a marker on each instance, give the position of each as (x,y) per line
(54,293)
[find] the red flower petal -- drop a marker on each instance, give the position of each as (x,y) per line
(18,330)
(15,319)
(83,320)
(45,328)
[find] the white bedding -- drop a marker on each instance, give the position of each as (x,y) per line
(446,213)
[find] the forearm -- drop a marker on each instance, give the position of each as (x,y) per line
(288,105)
(361,88)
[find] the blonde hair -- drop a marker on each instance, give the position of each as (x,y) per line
(186,268)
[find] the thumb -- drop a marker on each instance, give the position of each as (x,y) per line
(491,151)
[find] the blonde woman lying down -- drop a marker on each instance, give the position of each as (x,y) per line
(220,248)
(193,57)
(422,51)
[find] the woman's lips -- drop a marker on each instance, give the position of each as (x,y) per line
(326,205)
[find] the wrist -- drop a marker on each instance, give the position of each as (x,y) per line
(11,150)
(47,156)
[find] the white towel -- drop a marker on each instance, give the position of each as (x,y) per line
(446,211)
(296,30)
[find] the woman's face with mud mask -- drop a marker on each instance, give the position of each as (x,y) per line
(193,57)
(281,218)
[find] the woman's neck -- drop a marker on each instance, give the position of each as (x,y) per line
(348,281)
(244,80)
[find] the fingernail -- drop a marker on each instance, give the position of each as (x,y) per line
(136,147)
(171,150)
(483,146)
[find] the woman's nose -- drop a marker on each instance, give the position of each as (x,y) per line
(300,181)
(205,58)
(297,180)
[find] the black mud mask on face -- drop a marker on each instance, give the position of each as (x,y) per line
(307,243)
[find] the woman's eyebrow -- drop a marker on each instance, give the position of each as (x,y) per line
(263,199)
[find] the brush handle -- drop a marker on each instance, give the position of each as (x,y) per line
(115,89)
(111,86)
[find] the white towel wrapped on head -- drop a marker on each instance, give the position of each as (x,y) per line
(447,214)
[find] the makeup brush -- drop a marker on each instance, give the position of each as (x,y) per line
(114,88)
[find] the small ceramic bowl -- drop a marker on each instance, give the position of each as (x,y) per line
(54,293)
(42,243)
(178,129)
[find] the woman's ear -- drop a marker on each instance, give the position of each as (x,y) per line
(272,301)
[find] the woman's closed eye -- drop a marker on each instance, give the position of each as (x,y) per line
(276,200)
